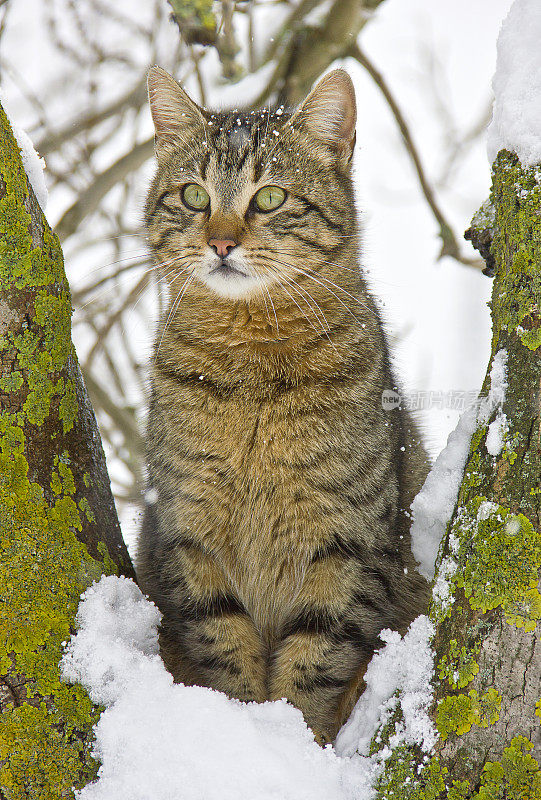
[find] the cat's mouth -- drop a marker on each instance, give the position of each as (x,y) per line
(227,270)
(230,278)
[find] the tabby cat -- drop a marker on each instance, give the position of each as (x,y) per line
(277,547)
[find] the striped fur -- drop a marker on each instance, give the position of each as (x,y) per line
(278,547)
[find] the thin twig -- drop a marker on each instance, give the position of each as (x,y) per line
(90,198)
(450,245)
(122,417)
(112,319)
(53,141)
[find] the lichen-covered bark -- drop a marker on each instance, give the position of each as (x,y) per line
(487,682)
(58,525)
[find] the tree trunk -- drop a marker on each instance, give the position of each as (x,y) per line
(487,677)
(58,525)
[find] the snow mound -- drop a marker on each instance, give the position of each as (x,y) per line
(398,673)
(33,165)
(516,118)
(157,740)
(433,506)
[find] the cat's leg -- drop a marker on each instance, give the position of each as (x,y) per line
(207,637)
(313,670)
(327,641)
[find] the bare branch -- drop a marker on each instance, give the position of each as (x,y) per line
(460,145)
(289,28)
(123,419)
(90,198)
(115,317)
(450,245)
(53,141)
(313,50)
(79,295)
(226,44)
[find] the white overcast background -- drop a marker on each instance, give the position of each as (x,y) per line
(436,310)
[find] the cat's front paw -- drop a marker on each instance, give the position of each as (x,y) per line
(322,737)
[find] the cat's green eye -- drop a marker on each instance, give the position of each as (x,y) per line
(195,197)
(269,198)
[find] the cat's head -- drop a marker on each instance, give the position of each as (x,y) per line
(246,203)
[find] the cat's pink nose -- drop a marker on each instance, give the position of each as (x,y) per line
(222,246)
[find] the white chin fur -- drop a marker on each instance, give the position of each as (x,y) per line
(235,287)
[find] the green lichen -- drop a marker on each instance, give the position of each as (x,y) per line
(41,757)
(41,356)
(459,713)
(109,566)
(195,12)
(44,743)
(517,197)
(21,264)
(54,315)
(43,570)
(459,790)
(499,558)
(68,408)
(84,507)
(403,779)
(516,777)
(12,382)
(43,346)
(62,479)
(458,667)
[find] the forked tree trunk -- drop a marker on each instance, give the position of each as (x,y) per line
(487,680)
(58,525)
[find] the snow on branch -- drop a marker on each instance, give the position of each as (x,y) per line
(516,119)
(33,165)
(433,506)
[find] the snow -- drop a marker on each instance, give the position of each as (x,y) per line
(496,434)
(158,740)
(516,118)
(498,387)
(442,586)
(33,165)
(434,504)
(398,673)
(486,509)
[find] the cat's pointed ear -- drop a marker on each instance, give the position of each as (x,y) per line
(329,113)
(171,108)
